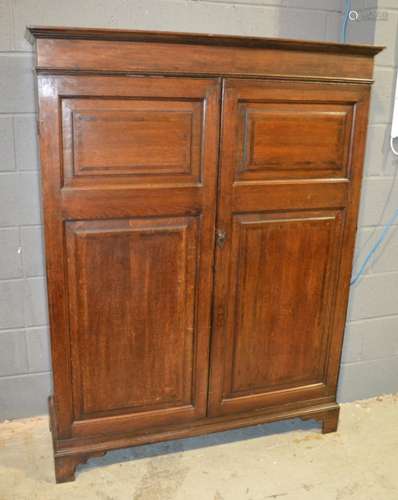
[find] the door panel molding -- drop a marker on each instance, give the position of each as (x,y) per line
(119,271)
(132,141)
(281,277)
(297,139)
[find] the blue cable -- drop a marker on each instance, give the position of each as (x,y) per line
(394,218)
(375,247)
(343,33)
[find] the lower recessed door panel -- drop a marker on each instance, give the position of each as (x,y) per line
(133,293)
(281,279)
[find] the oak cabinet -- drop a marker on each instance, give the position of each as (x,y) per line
(200,200)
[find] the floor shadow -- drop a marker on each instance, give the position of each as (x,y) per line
(201,442)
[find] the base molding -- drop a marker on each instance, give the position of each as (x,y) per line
(69,453)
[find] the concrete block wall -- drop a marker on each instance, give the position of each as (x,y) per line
(370,357)
(25,378)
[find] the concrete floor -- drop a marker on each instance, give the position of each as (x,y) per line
(291,461)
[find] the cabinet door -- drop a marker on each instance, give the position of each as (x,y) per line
(129,177)
(291,161)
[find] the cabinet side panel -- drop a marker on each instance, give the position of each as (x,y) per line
(50,164)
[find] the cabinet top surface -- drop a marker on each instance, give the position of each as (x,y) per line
(51,32)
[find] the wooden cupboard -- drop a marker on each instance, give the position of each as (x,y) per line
(200,200)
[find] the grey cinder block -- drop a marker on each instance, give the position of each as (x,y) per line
(7,161)
(302,23)
(378,158)
(24,395)
(374,296)
(8,200)
(11,304)
(32,247)
(35,302)
(10,253)
(26,148)
(13,355)
(38,349)
(29,207)
(367,379)
(6,24)
(380,338)
(385,259)
(382,95)
(352,347)
(386,35)
(377,201)
(16,83)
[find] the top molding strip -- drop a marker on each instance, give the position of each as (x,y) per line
(66,33)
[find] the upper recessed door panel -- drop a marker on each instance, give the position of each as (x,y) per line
(145,139)
(149,132)
(294,140)
(292,131)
